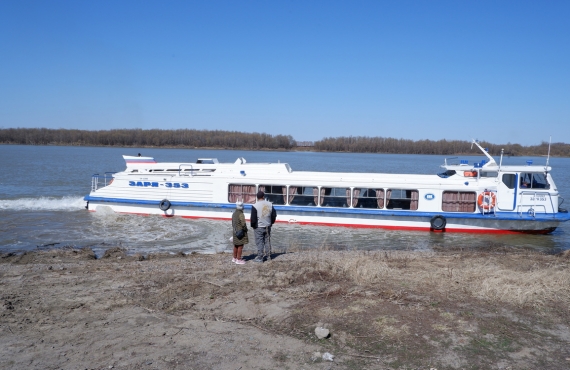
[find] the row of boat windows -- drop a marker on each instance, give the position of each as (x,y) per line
(407,199)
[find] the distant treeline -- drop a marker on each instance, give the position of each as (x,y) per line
(252,141)
(146,138)
(363,144)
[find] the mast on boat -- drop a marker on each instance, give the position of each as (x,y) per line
(491,159)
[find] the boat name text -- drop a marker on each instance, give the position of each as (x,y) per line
(154,184)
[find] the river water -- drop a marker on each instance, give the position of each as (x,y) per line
(42,206)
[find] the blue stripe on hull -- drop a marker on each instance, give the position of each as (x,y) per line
(358,213)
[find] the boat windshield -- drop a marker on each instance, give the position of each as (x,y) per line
(446,174)
(531,180)
(489,174)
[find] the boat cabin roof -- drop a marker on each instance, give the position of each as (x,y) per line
(490,165)
(505,168)
(138,164)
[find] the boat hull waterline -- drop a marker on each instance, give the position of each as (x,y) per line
(493,224)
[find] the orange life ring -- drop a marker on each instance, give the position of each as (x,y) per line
(487,200)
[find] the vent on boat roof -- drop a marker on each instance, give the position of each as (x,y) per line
(136,160)
(207,160)
(479,164)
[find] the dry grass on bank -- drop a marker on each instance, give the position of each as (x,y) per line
(493,307)
(526,280)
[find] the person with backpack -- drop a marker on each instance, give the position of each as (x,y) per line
(239,227)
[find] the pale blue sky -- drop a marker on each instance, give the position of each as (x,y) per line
(493,70)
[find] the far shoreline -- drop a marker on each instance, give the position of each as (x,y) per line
(296,149)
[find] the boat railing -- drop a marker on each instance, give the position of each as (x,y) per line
(491,211)
(529,202)
(100,181)
(186,166)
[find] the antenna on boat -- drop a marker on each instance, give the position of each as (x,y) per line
(548,156)
(501,161)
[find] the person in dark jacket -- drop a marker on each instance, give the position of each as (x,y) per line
(239,226)
(263,215)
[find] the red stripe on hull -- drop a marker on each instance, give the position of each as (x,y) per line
(413,228)
(385,227)
(209,218)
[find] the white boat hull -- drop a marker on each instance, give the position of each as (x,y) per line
(484,197)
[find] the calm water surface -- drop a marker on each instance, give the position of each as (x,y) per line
(42,190)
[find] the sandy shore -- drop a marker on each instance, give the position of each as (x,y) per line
(494,308)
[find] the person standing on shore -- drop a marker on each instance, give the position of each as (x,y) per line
(263,215)
(239,227)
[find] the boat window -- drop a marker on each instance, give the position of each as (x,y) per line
(533,181)
(303,195)
(446,174)
(509,180)
(368,198)
(335,197)
(244,192)
(489,174)
(402,199)
(276,194)
(458,201)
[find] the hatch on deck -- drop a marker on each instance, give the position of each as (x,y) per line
(207,160)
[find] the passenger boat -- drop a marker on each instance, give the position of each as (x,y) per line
(478,197)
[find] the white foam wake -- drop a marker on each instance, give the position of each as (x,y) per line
(67,203)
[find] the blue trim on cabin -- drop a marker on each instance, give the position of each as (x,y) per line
(516,190)
(514,216)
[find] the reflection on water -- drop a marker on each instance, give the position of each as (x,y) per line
(50,209)
(286,236)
